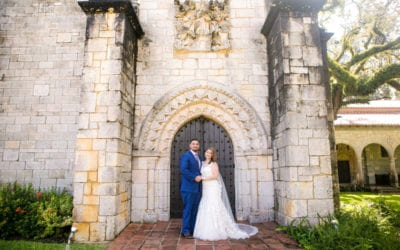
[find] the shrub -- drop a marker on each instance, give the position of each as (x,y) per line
(391,212)
(26,213)
(356,228)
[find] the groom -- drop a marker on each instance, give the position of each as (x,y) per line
(190,164)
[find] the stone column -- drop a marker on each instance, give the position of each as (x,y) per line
(360,177)
(253,183)
(102,183)
(150,215)
(393,172)
(299,110)
(144,185)
(261,188)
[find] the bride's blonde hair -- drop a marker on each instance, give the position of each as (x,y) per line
(214,157)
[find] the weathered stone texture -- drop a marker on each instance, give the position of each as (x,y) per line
(104,142)
(161,69)
(41,47)
(357,138)
(174,86)
(84,103)
(298,101)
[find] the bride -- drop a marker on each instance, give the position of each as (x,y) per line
(214,217)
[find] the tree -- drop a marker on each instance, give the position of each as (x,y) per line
(364,55)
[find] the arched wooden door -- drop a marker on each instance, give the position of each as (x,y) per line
(210,134)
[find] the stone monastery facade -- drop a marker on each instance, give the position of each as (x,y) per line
(100,97)
(368,145)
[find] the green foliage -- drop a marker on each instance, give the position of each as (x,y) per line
(29,214)
(342,75)
(385,74)
(350,199)
(364,51)
(389,205)
(373,51)
(391,214)
(25,245)
(373,225)
(299,230)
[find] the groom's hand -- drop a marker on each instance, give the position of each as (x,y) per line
(198,178)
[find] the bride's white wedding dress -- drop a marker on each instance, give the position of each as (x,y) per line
(214,217)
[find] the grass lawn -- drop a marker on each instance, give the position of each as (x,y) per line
(361,198)
(27,245)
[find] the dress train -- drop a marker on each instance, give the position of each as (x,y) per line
(214,217)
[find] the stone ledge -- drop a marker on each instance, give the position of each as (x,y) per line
(90,7)
(299,5)
(289,5)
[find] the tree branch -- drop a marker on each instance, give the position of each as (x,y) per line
(386,74)
(361,65)
(337,98)
(376,30)
(346,44)
(395,84)
(331,5)
(356,100)
(372,51)
(343,76)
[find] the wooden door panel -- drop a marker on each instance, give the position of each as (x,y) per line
(209,134)
(344,172)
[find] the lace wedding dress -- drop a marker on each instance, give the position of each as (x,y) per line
(214,217)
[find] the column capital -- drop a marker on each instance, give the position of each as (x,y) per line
(91,7)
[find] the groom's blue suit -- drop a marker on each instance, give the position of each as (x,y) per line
(190,190)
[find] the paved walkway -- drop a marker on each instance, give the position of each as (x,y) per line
(166,235)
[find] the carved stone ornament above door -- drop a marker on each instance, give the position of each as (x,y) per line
(202,25)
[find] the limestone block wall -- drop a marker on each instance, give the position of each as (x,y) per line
(359,137)
(298,101)
(102,184)
(41,56)
(75,114)
(228,86)
(161,68)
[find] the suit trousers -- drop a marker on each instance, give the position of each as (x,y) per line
(190,205)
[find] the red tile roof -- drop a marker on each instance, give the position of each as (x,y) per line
(375,113)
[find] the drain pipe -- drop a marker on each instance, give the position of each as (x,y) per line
(73,231)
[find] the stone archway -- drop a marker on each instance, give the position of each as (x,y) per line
(151,159)
(377,164)
(202,98)
(210,134)
(347,165)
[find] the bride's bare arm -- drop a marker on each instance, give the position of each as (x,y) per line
(215,172)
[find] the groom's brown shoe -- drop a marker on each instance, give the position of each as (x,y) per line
(187,236)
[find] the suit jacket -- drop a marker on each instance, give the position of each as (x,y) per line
(189,168)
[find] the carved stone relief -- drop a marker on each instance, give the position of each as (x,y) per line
(178,107)
(202,25)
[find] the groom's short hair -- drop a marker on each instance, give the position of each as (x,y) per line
(194,139)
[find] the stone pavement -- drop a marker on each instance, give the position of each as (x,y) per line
(166,235)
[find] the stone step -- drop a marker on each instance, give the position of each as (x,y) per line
(386,189)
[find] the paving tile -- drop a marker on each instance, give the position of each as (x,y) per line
(165,235)
(204,247)
(239,247)
(168,247)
